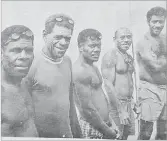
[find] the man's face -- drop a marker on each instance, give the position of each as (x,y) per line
(91,49)
(156,24)
(58,41)
(123,39)
(17,57)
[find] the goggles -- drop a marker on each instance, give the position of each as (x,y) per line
(59,19)
(15,36)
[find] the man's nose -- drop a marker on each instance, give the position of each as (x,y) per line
(158,24)
(97,49)
(23,55)
(63,41)
(126,39)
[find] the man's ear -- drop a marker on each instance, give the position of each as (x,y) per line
(44,35)
(148,21)
(114,38)
(2,54)
(81,45)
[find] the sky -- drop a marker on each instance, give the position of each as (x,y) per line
(105,16)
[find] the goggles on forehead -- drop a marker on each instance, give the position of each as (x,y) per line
(59,19)
(16,36)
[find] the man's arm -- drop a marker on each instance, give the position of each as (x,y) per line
(108,73)
(91,114)
(74,123)
(148,57)
(28,129)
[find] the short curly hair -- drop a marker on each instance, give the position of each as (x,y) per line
(51,22)
(84,34)
(18,29)
(157,11)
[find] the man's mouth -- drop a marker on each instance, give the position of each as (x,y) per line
(125,44)
(157,30)
(22,68)
(95,55)
(62,49)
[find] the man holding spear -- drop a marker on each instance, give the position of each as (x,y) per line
(117,70)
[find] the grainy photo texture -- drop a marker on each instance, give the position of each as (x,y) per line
(83,70)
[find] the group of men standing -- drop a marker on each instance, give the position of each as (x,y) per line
(49,97)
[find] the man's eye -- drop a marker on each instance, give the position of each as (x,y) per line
(122,38)
(29,50)
(99,46)
(67,39)
(129,37)
(161,22)
(92,46)
(57,37)
(17,50)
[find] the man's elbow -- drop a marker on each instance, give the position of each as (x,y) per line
(88,113)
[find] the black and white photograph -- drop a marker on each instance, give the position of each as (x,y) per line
(83,70)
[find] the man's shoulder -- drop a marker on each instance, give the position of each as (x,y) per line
(111,53)
(78,69)
(163,37)
(142,43)
(67,60)
(80,72)
(35,64)
(110,57)
(142,40)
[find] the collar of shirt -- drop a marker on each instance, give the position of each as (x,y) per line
(52,60)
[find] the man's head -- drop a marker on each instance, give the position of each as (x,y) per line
(57,34)
(17,50)
(156,20)
(89,43)
(123,39)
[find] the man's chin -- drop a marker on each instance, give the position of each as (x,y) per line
(18,75)
(21,72)
(156,33)
(60,55)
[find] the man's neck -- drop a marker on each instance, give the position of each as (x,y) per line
(121,51)
(9,79)
(85,61)
(47,54)
(153,35)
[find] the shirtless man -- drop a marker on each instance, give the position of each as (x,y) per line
(50,82)
(92,103)
(17,115)
(151,54)
(117,69)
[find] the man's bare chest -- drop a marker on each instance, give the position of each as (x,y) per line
(48,79)
(93,78)
(14,107)
(124,64)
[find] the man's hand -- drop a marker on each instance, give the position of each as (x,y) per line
(124,118)
(110,134)
(137,110)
